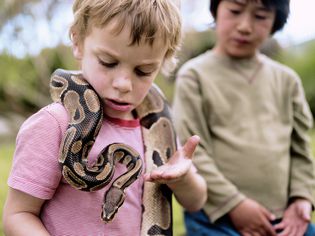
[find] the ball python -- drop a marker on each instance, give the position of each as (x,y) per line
(85,110)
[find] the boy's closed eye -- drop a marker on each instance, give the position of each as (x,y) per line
(263,14)
(235,8)
(260,17)
(235,12)
(146,69)
(140,72)
(107,64)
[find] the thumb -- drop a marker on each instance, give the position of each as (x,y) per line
(306,214)
(190,146)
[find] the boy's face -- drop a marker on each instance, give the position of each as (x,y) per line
(242,26)
(120,73)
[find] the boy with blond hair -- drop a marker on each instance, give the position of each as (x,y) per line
(121,46)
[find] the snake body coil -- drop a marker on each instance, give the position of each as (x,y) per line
(86,115)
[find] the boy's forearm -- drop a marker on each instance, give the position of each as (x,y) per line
(24,223)
(191,191)
(21,214)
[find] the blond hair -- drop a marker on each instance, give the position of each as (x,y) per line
(147,19)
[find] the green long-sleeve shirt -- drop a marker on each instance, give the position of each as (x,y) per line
(253,121)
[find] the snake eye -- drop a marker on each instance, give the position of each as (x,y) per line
(57,84)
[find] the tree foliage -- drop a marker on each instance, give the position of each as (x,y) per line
(24,83)
(302,59)
(12,8)
(28,25)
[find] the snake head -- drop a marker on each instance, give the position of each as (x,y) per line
(114,198)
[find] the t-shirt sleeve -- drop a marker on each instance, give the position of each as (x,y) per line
(190,120)
(35,168)
(302,179)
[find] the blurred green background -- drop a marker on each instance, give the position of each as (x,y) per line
(24,78)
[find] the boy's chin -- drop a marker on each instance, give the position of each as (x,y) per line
(242,56)
(237,54)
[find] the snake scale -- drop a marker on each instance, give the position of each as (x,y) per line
(85,111)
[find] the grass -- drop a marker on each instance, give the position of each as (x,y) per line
(313,150)
(178,225)
(6,153)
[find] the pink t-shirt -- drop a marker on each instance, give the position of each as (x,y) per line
(68,211)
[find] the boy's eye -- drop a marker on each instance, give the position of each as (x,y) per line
(142,73)
(107,64)
(260,17)
(235,11)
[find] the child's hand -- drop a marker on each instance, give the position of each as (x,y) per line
(296,218)
(177,166)
(250,218)
(189,188)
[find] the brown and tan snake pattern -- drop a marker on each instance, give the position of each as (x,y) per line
(86,115)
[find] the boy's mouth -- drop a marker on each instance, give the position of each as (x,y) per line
(242,41)
(117,102)
(118,105)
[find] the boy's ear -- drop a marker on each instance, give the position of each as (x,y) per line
(76,46)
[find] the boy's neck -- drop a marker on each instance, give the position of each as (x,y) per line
(123,122)
(221,54)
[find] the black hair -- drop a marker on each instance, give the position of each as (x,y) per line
(282,8)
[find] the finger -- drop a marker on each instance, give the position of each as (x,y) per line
(245,234)
(163,175)
(286,232)
(257,234)
(156,174)
(147,177)
(279,226)
(268,229)
(260,231)
(306,215)
(294,232)
(268,214)
(190,146)
(267,226)
(153,175)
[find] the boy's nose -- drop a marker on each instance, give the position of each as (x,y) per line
(122,83)
(245,24)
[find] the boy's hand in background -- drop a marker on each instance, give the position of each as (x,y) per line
(250,218)
(296,218)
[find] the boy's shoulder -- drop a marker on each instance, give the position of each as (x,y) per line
(209,59)
(274,64)
(208,63)
(49,115)
(55,110)
(205,59)
(283,71)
